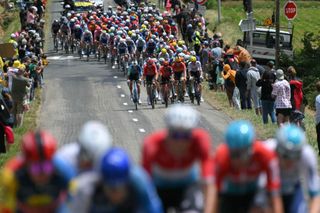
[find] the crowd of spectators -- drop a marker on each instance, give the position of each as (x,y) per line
(22,73)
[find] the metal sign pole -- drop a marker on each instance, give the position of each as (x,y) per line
(277,55)
(219,11)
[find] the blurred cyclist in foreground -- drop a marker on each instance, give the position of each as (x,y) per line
(298,162)
(118,187)
(239,163)
(172,157)
(85,154)
(32,182)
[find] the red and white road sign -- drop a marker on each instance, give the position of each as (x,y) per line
(290,10)
(201,2)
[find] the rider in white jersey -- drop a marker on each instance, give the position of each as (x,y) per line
(298,161)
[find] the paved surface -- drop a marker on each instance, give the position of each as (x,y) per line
(77,91)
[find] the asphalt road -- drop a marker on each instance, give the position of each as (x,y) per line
(77,91)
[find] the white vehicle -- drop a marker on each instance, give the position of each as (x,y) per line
(263,44)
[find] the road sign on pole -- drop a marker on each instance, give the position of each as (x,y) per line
(247,25)
(290,10)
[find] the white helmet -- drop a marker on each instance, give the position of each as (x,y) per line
(94,140)
(181,117)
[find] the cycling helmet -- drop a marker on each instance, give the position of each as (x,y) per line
(38,146)
(290,140)
(193,53)
(115,167)
(164,51)
(240,134)
(67,6)
(161,60)
(181,117)
(178,59)
(55,21)
(189,25)
(94,139)
(180,43)
(179,50)
(150,61)
(193,59)
(166,63)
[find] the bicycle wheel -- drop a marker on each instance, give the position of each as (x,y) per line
(88,52)
(197,93)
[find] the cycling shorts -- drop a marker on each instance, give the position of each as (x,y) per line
(177,76)
(87,40)
(149,79)
(104,40)
(150,50)
(140,49)
(196,76)
(165,80)
(122,51)
(130,49)
(133,77)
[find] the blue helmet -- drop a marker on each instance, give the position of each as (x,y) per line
(240,134)
(290,139)
(115,167)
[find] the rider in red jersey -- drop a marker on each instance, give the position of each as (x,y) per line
(239,162)
(178,158)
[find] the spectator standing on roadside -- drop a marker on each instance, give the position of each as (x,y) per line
(296,85)
(241,83)
(253,76)
(229,82)
(267,101)
(270,66)
(282,94)
(317,116)
(19,90)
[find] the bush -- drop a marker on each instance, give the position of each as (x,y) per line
(306,62)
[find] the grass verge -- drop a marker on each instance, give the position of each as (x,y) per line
(10,23)
(220,101)
(232,12)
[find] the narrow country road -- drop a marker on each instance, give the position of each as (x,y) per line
(77,91)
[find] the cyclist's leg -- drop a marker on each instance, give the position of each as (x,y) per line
(193,200)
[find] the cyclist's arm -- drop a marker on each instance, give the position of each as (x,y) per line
(184,69)
(146,193)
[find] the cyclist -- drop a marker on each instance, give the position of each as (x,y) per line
(195,72)
(104,39)
(32,182)
(297,160)
(78,32)
(180,73)
(165,76)
(131,47)
(172,157)
(134,74)
(164,54)
(151,47)
(239,162)
(122,48)
(141,46)
(55,27)
(118,186)
(150,75)
(81,156)
(87,39)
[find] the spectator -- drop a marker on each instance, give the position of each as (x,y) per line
(267,101)
(31,17)
(241,83)
(317,116)
(220,80)
(270,66)
(229,82)
(282,93)
(19,92)
(253,76)
(296,89)
(242,54)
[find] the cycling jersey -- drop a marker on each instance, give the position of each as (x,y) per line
(169,172)
(55,27)
(65,28)
(150,70)
(23,195)
(166,71)
(194,67)
(131,46)
(307,166)
(122,48)
(235,181)
(104,39)
(78,33)
(87,37)
(178,67)
(89,195)
(134,72)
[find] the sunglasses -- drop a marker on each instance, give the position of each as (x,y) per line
(242,154)
(45,167)
(180,135)
(289,155)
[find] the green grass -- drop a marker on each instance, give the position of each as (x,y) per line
(219,100)
(308,18)
(12,23)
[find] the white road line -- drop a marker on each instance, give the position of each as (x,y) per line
(130,111)
(122,95)
(135,119)
(125,104)
(142,130)
(118,86)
